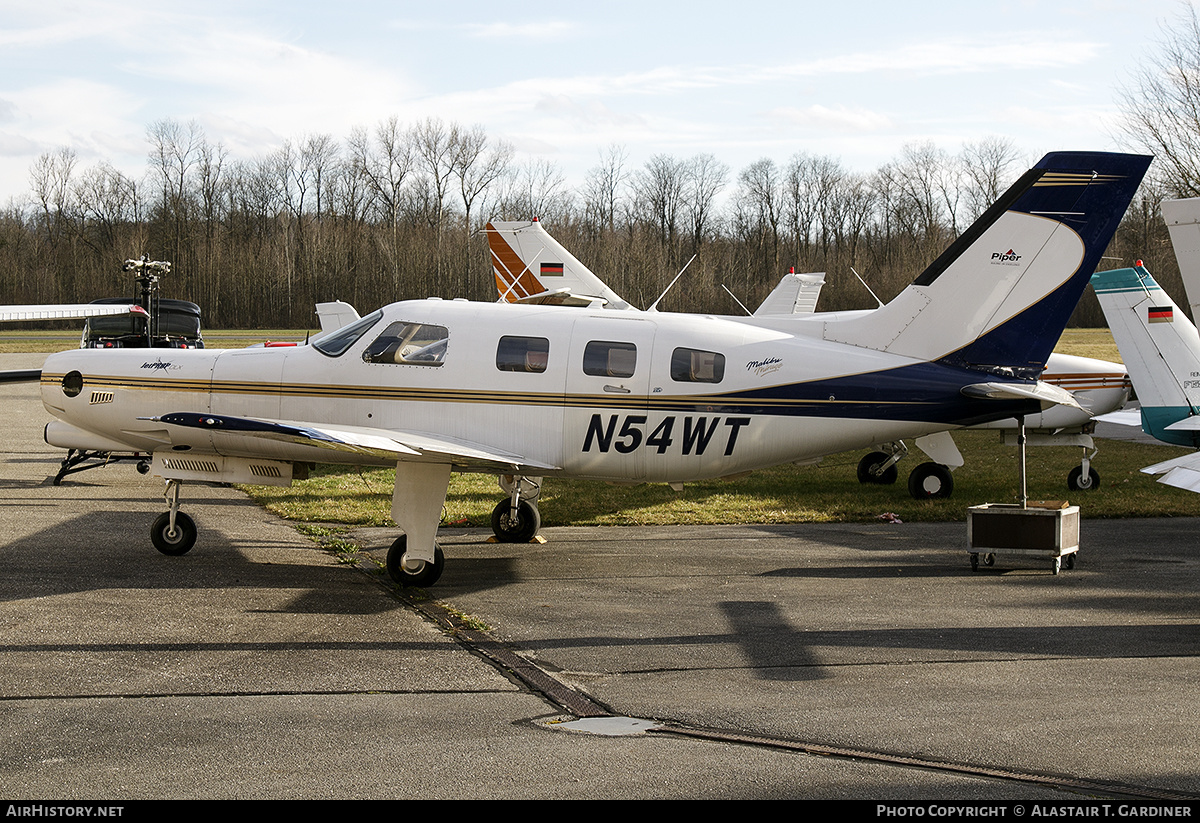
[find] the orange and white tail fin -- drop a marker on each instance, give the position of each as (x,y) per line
(530,266)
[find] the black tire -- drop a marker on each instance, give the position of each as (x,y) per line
(529,520)
(1069,562)
(181,541)
(866,473)
(974,561)
(1077,482)
(930,480)
(427,575)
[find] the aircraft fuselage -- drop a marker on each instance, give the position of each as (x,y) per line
(625,397)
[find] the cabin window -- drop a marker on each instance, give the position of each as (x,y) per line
(410,344)
(696,366)
(607,359)
(337,341)
(527,354)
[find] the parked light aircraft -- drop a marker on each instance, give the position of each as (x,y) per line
(531,267)
(434,386)
(1161,348)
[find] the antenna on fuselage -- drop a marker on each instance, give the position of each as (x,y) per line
(735,300)
(654,305)
(868,288)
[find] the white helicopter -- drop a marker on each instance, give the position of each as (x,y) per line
(435,386)
(532,268)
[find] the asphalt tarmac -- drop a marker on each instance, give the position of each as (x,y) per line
(747,662)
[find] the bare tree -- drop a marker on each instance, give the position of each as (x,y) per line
(705,178)
(760,194)
(478,164)
(987,166)
(661,186)
(1161,105)
(50,179)
(603,187)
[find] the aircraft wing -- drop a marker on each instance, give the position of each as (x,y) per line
(1180,472)
(385,443)
(65,311)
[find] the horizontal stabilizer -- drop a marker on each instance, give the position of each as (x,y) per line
(795,294)
(559,297)
(1189,424)
(1122,417)
(1044,393)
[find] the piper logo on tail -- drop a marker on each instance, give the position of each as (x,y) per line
(1007,258)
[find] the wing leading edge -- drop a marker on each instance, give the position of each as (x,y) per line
(382,443)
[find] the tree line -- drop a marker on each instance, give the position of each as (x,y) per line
(397,211)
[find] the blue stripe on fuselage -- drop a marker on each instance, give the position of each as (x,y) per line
(922,392)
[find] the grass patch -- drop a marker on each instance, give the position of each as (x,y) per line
(39,341)
(828,492)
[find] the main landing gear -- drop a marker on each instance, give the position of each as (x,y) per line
(927,481)
(517,519)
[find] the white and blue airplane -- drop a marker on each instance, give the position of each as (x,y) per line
(435,386)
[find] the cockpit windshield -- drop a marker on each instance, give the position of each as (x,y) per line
(337,341)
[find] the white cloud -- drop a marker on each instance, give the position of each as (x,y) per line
(839,119)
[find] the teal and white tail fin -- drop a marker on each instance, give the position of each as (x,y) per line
(1161,350)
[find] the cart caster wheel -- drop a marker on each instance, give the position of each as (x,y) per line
(989,559)
(974,562)
(1057,565)
(1070,563)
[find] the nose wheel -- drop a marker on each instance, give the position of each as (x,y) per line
(173,532)
(408,572)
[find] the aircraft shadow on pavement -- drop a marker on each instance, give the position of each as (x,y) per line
(111,550)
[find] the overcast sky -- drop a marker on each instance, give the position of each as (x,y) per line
(562,81)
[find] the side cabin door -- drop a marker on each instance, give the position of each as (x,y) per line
(608,387)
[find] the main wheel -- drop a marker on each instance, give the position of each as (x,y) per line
(1077,481)
(867,474)
(177,542)
(425,575)
(522,529)
(930,480)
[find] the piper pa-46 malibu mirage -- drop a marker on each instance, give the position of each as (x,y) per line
(435,386)
(531,267)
